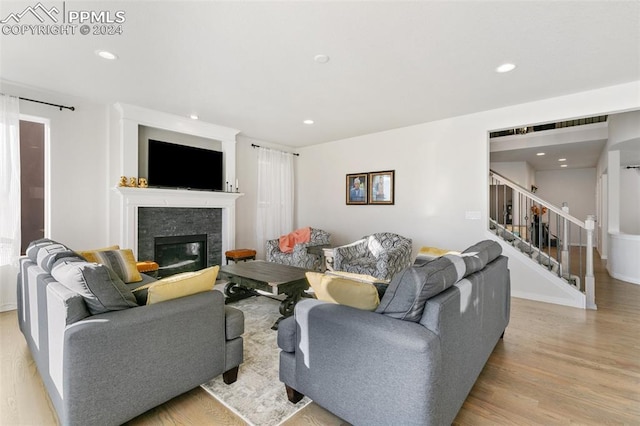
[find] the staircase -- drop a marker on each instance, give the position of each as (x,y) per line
(546,234)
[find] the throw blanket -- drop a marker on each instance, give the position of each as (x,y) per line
(287,242)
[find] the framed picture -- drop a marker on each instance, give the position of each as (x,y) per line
(357,188)
(381,190)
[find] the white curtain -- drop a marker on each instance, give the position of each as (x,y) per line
(275,195)
(9,199)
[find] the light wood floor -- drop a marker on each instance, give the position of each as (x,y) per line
(555,365)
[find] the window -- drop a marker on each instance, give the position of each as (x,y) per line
(32,160)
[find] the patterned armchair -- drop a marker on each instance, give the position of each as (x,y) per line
(381,255)
(299,257)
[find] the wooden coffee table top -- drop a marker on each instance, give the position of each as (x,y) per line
(268,273)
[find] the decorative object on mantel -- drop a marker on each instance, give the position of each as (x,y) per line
(229,188)
(142,183)
(133,182)
(123,181)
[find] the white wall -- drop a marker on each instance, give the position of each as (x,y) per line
(630,201)
(575,186)
(78,172)
(441,173)
(516,171)
(76,202)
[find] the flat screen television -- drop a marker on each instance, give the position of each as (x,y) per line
(179,166)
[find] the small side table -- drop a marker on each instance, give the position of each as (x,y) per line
(240,254)
(328,258)
(321,251)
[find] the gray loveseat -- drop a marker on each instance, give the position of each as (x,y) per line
(414,360)
(107,368)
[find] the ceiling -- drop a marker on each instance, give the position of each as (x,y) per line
(250,65)
(577,153)
(574,147)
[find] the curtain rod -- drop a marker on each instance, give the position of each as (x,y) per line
(292,153)
(47,103)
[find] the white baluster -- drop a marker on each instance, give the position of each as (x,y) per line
(590,282)
(564,256)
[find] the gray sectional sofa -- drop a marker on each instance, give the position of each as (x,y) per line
(414,360)
(107,368)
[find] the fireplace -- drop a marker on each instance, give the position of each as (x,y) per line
(179,231)
(184,253)
(152,212)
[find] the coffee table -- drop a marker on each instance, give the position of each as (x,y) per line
(247,277)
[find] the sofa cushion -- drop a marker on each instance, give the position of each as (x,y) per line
(479,255)
(46,250)
(409,290)
(34,247)
(180,285)
(123,263)
(344,291)
(47,260)
(100,287)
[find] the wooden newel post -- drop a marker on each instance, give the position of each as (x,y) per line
(590,283)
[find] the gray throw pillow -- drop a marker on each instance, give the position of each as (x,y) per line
(409,290)
(480,254)
(100,287)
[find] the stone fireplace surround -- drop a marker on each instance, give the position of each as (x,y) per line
(134,198)
(179,225)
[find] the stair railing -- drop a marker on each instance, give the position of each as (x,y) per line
(549,235)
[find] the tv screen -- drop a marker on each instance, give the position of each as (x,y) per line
(180,166)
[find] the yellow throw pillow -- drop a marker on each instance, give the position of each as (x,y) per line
(344,291)
(431,253)
(357,277)
(123,263)
(90,255)
(181,285)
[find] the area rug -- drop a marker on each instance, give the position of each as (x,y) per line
(258,396)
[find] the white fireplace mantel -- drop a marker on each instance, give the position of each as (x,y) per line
(124,202)
(133,198)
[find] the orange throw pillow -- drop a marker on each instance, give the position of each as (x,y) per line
(288,242)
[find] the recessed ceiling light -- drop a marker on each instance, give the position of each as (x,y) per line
(563,165)
(505,68)
(540,154)
(562,159)
(321,59)
(308,121)
(106,55)
(194,116)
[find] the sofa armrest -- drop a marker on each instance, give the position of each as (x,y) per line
(145,355)
(272,247)
(344,355)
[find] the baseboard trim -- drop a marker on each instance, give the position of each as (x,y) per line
(8,307)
